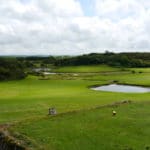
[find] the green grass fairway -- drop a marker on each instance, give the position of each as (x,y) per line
(93,129)
(25,103)
(96,68)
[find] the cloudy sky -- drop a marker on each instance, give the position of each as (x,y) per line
(60,27)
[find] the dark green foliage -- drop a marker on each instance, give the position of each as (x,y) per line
(108,58)
(112,59)
(120,60)
(11,69)
(44,60)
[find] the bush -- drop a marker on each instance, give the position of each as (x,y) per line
(11,69)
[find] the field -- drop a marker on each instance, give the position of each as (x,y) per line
(81,123)
(87,69)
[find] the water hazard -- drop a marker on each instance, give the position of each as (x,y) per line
(122,88)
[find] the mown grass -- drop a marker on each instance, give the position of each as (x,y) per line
(93,129)
(25,103)
(94,68)
(32,97)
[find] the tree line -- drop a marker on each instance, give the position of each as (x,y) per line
(108,58)
(11,69)
(15,67)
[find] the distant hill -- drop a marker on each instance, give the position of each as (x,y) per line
(108,58)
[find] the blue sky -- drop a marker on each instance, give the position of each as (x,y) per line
(88,7)
(25,1)
(70,27)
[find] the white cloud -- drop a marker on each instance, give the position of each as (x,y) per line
(131,20)
(60,26)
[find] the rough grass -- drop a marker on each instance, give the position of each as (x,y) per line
(141,70)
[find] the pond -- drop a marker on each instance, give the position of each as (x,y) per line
(49,73)
(122,88)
